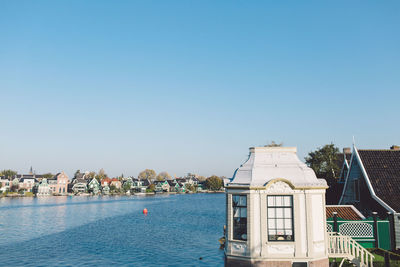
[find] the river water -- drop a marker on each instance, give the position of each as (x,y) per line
(103,231)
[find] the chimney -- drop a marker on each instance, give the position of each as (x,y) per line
(346,150)
(395,147)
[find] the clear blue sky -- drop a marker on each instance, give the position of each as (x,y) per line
(188,86)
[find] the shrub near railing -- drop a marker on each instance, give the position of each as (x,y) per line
(394,259)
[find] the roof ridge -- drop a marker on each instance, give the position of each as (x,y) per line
(378,150)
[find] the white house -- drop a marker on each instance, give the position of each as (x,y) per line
(43,188)
(275,212)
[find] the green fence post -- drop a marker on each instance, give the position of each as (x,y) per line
(335,225)
(375,216)
(392,231)
(387,259)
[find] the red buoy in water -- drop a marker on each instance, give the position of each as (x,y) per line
(145,211)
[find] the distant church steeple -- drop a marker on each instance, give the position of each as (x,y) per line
(31,171)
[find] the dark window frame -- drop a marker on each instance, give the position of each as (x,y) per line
(283,207)
(239,225)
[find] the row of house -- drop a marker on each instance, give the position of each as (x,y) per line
(58,184)
(42,185)
(182,185)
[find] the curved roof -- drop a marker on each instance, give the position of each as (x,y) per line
(268,163)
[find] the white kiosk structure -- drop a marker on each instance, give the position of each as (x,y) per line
(276,212)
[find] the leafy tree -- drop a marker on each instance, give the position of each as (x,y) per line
(48,175)
(101,175)
(91,175)
(201,178)
(191,187)
(214,183)
(127,187)
(147,174)
(150,188)
(325,162)
(112,188)
(8,173)
(163,176)
(14,187)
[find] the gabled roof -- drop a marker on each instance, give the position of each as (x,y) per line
(383,170)
(171,182)
(347,212)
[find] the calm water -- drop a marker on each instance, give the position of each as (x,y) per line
(104,231)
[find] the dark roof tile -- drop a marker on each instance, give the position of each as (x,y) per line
(383,170)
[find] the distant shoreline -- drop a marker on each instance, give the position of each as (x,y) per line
(16,195)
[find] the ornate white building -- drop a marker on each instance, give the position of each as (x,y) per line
(275,212)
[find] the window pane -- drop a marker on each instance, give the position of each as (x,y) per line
(279,213)
(272,232)
(280,232)
(287,201)
(289,232)
(288,213)
(271,224)
(279,223)
(236,212)
(278,201)
(235,200)
(271,213)
(242,201)
(243,212)
(270,201)
(288,223)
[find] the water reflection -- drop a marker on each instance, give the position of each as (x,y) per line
(104,231)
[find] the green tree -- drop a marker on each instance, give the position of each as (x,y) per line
(48,175)
(201,178)
(325,163)
(163,176)
(214,183)
(101,175)
(112,188)
(91,175)
(147,174)
(191,187)
(126,187)
(150,188)
(8,173)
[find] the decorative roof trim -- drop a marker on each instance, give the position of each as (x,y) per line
(270,183)
(344,163)
(347,175)
(366,178)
